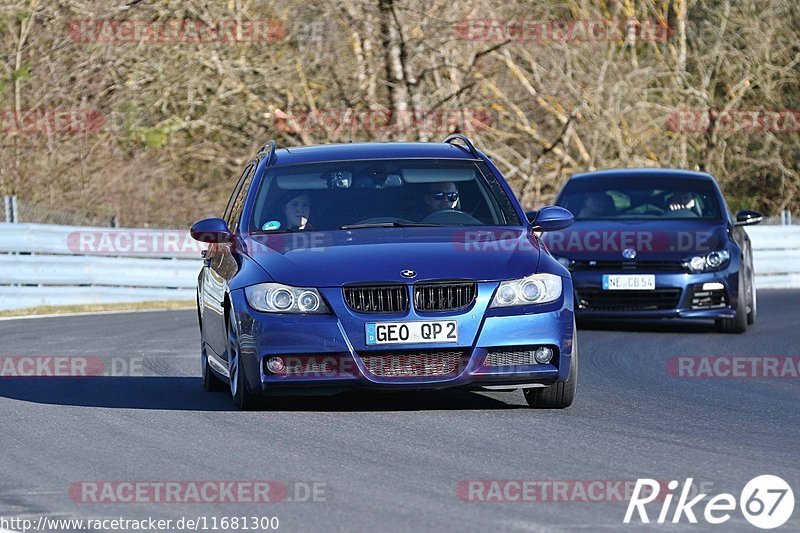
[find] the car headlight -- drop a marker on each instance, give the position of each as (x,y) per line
(710,261)
(533,289)
(278,298)
(717,259)
(566,263)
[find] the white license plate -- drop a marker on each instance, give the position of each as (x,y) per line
(412,332)
(641,282)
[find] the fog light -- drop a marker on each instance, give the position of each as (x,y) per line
(275,365)
(543,354)
(713,286)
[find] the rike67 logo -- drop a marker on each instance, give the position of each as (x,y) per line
(767,502)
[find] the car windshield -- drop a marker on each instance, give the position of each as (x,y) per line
(640,197)
(380,193)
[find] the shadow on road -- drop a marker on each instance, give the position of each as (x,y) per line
(187,394)
(654,326)
(173,393)
(365,401)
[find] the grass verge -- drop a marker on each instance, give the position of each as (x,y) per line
(92,308)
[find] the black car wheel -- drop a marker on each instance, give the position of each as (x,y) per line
(737,324)
(752,300)
(558,395)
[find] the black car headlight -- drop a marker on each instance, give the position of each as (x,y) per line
(710,261)
(279,298)
(533,289)
(566,263)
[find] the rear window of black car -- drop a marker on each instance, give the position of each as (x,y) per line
(640,197)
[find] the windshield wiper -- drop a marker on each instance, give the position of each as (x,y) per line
(390,225)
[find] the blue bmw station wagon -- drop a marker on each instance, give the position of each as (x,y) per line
(383,266)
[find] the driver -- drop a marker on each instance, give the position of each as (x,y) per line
(441,196)
(682,200)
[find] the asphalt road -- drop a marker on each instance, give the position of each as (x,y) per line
(393,462)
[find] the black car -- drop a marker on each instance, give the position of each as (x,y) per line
(656,243)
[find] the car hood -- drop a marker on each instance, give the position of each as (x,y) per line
(653,240)
(334,258)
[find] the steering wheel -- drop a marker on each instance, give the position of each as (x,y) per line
(650,210)
(451,216)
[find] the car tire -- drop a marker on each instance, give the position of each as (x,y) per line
(211,382)
(558,395)
(737,324)
(243,398)
(753,301)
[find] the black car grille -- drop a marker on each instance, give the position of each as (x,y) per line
(444,296)
(314,366)
(711,299)
(414,363)
(511,356)
(661,266)
(600,300)
(377,299)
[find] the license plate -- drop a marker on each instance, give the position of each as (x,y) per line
(412,332)
(641,282)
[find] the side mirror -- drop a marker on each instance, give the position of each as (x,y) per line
(550,218)
(211,230)
(747,218)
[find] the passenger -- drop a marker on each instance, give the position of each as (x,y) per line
(597,204)
(297,211)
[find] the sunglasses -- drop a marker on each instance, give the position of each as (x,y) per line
(439,196)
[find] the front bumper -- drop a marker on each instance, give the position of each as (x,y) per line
(686,288)
(338,342)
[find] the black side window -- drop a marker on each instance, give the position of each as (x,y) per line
(237,201)
(227,214)
(506,213)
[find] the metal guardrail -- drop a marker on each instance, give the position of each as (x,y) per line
(44,264)
(776,256)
